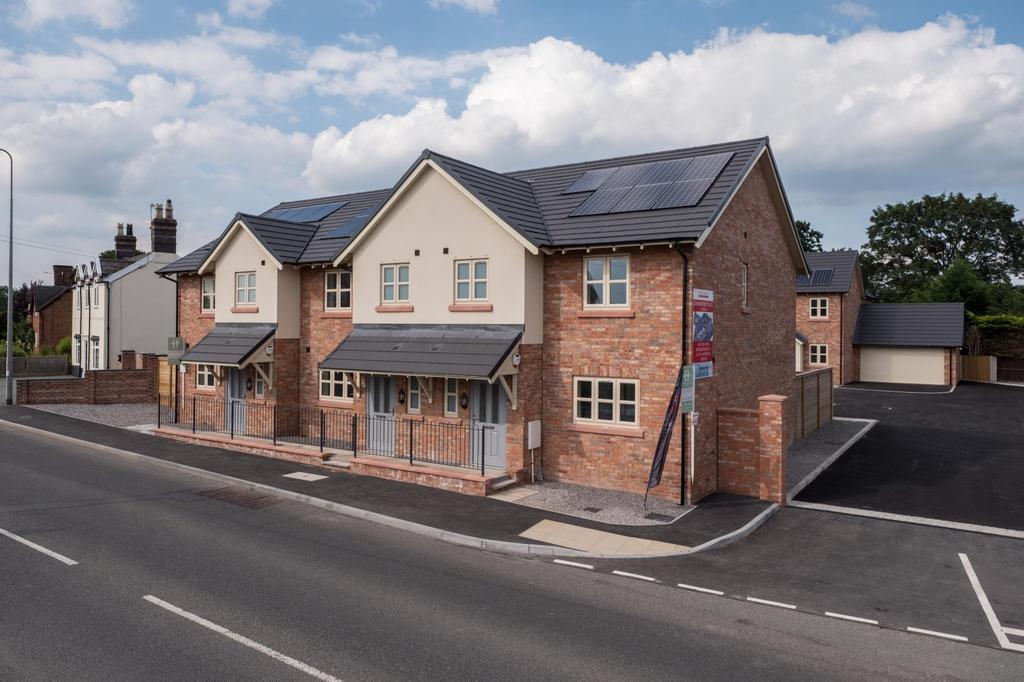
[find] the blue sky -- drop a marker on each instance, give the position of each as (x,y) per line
(236,104)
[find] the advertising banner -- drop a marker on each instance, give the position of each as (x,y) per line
(703,333)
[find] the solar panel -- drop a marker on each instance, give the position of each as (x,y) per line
(641,198)
(304,214)
(355,223)
(708,166)
(664,171)
(601,201)
(684,193)
(590,180)
(822,277)
(626,176)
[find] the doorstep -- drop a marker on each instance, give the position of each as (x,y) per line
(454,479)
(291,453)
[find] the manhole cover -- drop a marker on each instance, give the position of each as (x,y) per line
(658,517)
(241,498)
(592,510)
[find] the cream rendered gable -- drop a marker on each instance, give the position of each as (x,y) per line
(431,214)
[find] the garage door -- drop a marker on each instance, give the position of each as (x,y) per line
(903,365)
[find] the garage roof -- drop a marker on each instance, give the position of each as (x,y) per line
(938,325)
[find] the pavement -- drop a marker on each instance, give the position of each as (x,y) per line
(175,577)
(955,457)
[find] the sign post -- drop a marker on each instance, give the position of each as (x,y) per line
(689,394)
(175,348)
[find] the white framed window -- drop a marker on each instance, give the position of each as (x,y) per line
(744,284)
(819,308)
(245,288)
(205,378)
(209,302)
(394,283)
(471,280)
(819,354)
(78,351)
(605,401)
(335,385)
(95,354)
(606,282)
(413,404)
(96,296)
(451,397)
(337,290)
(88,296)
(259,387)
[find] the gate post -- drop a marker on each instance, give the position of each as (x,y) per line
(231,405)
(321,430)
(355,434)
(273,419)
(482,445)
(193,415)
(410,423)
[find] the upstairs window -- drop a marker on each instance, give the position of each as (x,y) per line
(245,288)
(605,401)
(471,280)
(209,302)
(394,283)
(819,308)
(337,290)
(744,282)
(606,282)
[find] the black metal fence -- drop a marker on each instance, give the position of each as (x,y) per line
(414,439)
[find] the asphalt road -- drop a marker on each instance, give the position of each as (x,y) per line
(353,600)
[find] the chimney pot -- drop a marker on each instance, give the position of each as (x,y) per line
(170,209)
(159,211)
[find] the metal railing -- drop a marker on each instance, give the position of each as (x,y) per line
(415,439)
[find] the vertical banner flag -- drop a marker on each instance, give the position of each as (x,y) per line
(703,333)
(665,437)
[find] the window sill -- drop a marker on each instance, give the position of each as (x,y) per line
(610,312)
(205,316)
(470,308)
(627,431)
(340,402)
(206,391)
(818,319)
(413,417)
(245,309)
(394,308)
(336,315)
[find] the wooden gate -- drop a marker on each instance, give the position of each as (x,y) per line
(167,380)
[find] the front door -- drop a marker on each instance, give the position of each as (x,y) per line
(489,419)
(380,409)
(234,396)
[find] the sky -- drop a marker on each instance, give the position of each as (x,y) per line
(235,105)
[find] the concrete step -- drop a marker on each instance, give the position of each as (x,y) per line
(501,484)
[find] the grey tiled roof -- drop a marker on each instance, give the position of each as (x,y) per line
(327,242)
(910,324)
(190,262)
(843,262)
(466,351)
(43,295)
(229,344)
(285,240)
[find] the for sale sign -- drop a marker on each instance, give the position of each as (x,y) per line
(703,333)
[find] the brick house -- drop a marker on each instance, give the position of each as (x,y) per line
(828,303)
(464,298)
(50,309)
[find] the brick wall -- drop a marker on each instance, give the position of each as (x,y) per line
(851,309)
(836,330)
(319,332)
(53,323)
(738,439)
(193,325)
(97,387)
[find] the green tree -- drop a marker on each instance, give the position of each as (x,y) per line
(912,243)
(810,239)
(958,284)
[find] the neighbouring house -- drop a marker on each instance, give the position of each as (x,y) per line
(50,308)
(124,305)
(456,316)
(828,302)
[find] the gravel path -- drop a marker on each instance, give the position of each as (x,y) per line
(608,506)
(127,416)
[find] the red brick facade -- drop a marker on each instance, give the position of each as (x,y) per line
(835,331)
(53,323)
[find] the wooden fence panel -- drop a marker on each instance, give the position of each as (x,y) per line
(978,367)
(1010,369)
(812,401)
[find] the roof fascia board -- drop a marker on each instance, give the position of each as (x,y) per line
(238,225)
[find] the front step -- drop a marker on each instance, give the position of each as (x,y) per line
(501,483)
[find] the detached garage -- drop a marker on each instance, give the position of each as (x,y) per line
(910,343)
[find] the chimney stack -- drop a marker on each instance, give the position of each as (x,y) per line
(124,244)
(63,275)
(164,228)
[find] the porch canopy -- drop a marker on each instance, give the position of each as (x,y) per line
(236,345)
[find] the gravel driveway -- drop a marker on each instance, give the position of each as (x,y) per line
(123,415)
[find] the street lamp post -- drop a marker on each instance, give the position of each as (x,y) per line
(10,291)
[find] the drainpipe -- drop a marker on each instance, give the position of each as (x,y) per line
(88,343)
(106,316)
(842,338)
(682,359)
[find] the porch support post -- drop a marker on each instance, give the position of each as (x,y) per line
(264,375)
(511,391)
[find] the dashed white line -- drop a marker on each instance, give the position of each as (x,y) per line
(855,619)
(39,548)
(574,564)
(704,590)
(934,633)
(768,602)
(997,628)
(636,576)
(288,660)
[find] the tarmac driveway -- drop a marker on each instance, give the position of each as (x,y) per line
(953,456)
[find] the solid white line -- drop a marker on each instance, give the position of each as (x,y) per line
(634,575)
(986,606)
(700,589)
(768,602)
(574,564)
(742,531)
(933,633)
(903,518)
(856,619)
(39,548)
(1014,631)
(806,480)
(298,665)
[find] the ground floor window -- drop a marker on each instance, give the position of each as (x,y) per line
(205,377)
(414,395)
(609,401)
(95,354)
(819,354)
(78,351)
(451,397)
(335,385)
(259,387)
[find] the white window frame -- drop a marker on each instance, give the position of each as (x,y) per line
(471,280)
(413,386)
(247,288)
(88,296)
(815,306)
(259,387)
(818,356)
(95,354)
(205,377)
(338,289)
(333,378)
(616,401)
(451,396)
(96,296)
(745,286)
(606,281)
(396,283)
(78,351)
(210,295)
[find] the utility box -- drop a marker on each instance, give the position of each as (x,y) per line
(533,434)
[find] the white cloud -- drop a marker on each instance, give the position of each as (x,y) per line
(249,8)
(478,6)
(46,76)
(854,10)
(103,13)
(360,39)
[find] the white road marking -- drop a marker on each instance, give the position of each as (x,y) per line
(574,564)
(705,590)
(298,665)
(39,548)
(634,575)
(303,476)
(856,619)
(943,635)
(1014,631)
(768,602)
(904,518)
(993,621)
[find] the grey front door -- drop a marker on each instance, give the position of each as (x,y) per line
(489,420)
(380,410)
(234,397)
